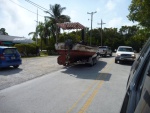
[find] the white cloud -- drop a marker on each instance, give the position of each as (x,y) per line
(15,19)
(110,5)
(118,22)
(130,23)
(115,22)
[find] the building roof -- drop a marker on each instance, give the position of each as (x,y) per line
(69,25)
(23,40)
(8,38)
(15,39)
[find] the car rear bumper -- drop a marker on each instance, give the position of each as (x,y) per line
(7,64)
(125,58)
(102,53)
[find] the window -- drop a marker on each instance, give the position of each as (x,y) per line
(10,51)
(126,49)
(142,78)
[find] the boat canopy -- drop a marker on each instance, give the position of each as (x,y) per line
(70,25)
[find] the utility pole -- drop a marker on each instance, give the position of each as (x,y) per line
(101,30)
(37,25)
(91,24)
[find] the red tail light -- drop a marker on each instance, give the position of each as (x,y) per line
(2,57)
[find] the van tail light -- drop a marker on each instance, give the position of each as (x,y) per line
(2,57)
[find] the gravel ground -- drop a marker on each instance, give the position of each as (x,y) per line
(30,68)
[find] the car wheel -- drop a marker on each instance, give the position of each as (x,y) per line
(16,66)
(106,54)
(98,54)
(111,54)
(116,61)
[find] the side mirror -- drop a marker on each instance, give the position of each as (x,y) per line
(115,50)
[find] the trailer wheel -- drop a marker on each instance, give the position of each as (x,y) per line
(91,63)
(95,60)
(67,64)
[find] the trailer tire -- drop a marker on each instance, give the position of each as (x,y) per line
(95,61)
(92,63)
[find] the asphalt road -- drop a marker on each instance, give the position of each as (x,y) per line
(76,89)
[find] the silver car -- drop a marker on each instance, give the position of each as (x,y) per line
(125,53)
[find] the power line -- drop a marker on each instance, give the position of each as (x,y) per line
(25,8)
(36,5)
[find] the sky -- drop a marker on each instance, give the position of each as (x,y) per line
(19,17)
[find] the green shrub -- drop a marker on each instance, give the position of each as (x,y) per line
(27,49)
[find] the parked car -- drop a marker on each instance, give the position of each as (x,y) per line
(9,56)
(137,97)
(104,51)
(125,53)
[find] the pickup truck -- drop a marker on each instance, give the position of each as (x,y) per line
(104,51)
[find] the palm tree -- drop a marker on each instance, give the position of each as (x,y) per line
(34,35)
(43,30)
(39,31)
(47,30)
(56,16)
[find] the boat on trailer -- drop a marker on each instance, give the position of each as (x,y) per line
(75,53)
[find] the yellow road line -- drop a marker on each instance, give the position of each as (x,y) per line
(88,89)
(92,96)
(90,99)
(83,94)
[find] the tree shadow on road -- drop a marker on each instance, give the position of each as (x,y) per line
(84,71)
(9,71)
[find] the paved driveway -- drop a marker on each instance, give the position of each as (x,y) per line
(30,68)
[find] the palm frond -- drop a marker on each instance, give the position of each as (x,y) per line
(31,33)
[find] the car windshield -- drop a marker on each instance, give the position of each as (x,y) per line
(126,49)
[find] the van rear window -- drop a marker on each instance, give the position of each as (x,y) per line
(10,51)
